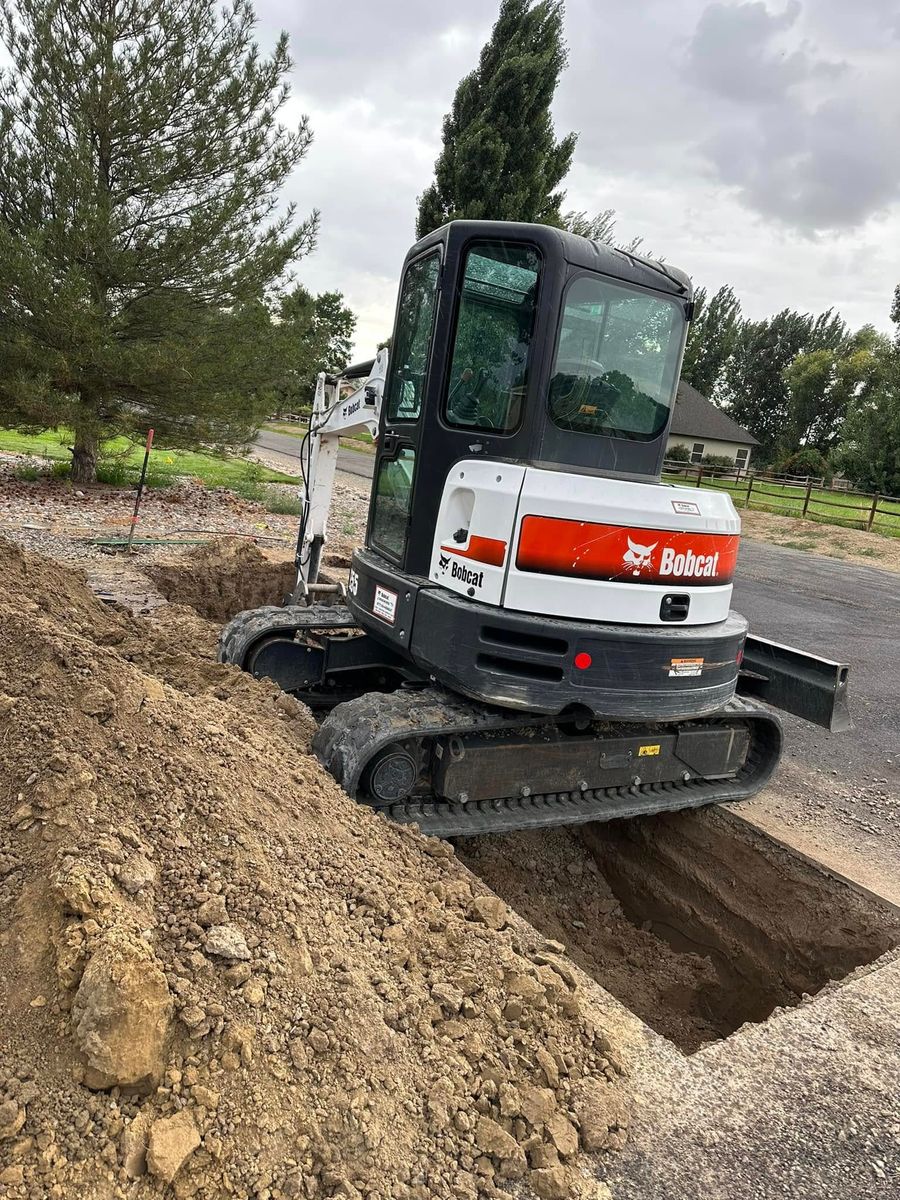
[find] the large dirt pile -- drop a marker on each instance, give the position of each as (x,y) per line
(220,977)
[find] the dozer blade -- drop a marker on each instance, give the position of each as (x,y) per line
(458,768)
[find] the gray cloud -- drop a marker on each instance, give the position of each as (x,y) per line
(806,139)
(726,134)
(735,53)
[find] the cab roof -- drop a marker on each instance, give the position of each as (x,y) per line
(571,248)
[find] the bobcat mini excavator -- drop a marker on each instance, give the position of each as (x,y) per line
(538,630)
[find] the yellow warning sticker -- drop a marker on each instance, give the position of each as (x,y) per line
(647,751)
(680,667)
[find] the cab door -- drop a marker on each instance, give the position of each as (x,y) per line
(404,402)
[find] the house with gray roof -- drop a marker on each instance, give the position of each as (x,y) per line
(704,428)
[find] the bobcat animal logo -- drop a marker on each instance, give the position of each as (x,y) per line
(638,558)
(444,561)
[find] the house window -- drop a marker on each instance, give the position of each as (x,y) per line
(697,452)
(742,457)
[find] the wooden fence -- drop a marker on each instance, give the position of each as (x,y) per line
(798,496)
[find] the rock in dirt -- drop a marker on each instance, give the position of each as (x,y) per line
(212,912)
(136,874)
(563,1134)
(133,1147)
(227,941)
(490,911)
(12,1118)
(552,1183)
(121,1014)
(171,1143)
(602,1114)
(492,1139)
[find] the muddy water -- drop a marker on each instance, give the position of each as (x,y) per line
(693,920)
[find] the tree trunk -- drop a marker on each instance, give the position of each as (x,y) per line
(85,453)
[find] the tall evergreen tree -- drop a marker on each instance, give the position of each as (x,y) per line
(711,339)
(500,159)
(141,155)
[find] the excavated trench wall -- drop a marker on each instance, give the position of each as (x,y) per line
(697,921)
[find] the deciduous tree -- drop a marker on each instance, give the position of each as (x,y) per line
(753,386)
(711,338)
(317,333)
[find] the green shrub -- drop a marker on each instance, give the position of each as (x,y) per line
(61,470)
(287,504)
(28,472)
(717,460)
(678,454)
(250,489)
(806,461)
(114,472)
(156,479)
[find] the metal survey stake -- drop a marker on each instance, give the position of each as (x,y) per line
(140,489)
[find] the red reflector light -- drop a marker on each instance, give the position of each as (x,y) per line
(740,656)
(583,661)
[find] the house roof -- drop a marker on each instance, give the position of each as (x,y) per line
(695,416)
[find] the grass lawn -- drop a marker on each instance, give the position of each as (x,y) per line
(122,461)
(831,508)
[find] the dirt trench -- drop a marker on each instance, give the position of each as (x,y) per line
(696,921)
(224,577)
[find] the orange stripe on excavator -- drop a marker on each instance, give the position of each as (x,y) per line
(490,551)
(586,549)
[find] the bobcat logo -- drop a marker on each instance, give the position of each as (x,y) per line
(444,561)
(638,557)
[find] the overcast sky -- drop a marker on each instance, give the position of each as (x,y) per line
(756,144)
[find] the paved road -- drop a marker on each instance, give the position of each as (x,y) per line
(285,446)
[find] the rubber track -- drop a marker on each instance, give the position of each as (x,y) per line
(355,731)
(242,632)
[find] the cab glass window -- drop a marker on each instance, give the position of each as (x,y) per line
(494,328)
(617,359)
(412,339)
(393,497)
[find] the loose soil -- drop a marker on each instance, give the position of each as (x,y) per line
(851,545)
(219,977)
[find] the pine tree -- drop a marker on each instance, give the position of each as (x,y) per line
(141,156)
(500,159)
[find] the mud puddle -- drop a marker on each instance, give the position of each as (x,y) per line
(697,922)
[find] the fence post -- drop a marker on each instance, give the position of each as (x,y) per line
(806,497)
(699,476)
(872,511)
(749,491)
